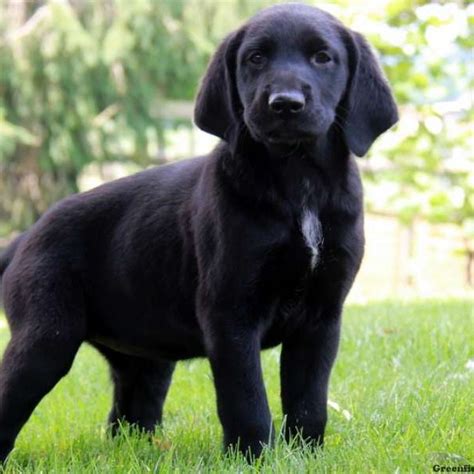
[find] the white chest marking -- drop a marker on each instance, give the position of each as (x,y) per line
(312,234)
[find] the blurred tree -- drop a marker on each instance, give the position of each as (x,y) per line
(428,161)
(77,81)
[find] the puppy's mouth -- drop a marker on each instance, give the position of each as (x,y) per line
(288,137)
(284,133)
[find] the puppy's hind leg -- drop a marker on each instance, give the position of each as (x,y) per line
(41,351)
(140,389)
(30,368)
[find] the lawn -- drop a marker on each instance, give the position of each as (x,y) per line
(402,389)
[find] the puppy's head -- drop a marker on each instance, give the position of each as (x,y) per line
(289,75)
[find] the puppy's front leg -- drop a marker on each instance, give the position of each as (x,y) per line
(234,353)
(306,361)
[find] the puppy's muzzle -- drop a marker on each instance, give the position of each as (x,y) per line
(289,102)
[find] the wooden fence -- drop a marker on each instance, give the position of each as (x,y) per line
(423,261)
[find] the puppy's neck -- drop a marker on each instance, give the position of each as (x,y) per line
(266,174)
(327,152)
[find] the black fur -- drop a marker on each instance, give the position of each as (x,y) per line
(255,245)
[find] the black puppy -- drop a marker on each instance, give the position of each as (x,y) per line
(254,245)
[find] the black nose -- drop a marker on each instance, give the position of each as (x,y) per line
(286,102)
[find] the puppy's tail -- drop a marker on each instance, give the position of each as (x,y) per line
(7,256)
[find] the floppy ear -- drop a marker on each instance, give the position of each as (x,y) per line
(218,105)
(371,109)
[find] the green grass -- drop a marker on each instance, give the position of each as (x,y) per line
(401,373)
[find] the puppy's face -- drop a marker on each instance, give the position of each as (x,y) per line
(292,72)
(288,75)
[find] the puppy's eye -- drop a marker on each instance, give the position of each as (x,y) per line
(321,57)
(257,59)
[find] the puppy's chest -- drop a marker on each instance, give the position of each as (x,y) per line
(303,205)
(308,230)
(291,278)
(312,234)
(297,255)
(296,259)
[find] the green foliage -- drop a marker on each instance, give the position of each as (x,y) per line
(427,54)
(78,85)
